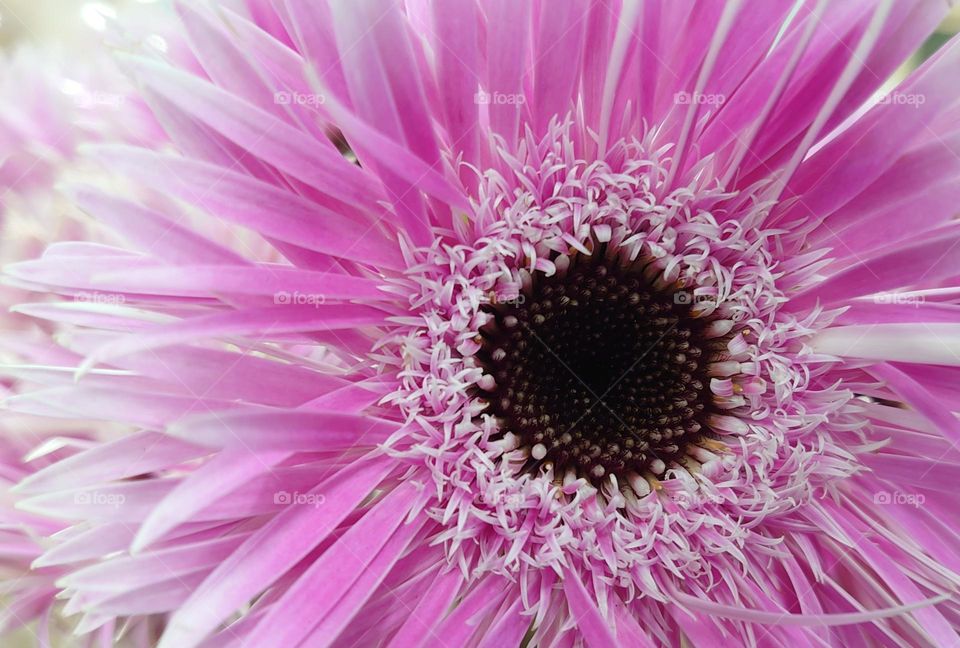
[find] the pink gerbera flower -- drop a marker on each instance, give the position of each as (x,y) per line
(568,323)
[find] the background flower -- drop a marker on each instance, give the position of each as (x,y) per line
(59,93)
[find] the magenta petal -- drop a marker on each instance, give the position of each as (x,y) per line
(559,38)
(421,621)
(596,631)
(855,158)
(133,455)
(276,319)
(460,624)
(349,606)
(760,616)
(216,479)
(272,550)
(509,628)
(152,231)
(914,394)
(458,69)
(265,430)
(508,42)
(276,282)
(127,573)
(315,162)
(882,271)
(254,204)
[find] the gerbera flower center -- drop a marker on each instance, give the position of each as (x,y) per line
(600,369)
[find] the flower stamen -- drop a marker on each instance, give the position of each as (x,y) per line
(602,368)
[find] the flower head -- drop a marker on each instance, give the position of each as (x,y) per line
(475,324)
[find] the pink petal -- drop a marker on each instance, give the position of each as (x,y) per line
(285,540)
(314,162)
(278,282)
(132,455)
(428,611)
(264,429)
(239,198)
(216,479)
(597,633)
